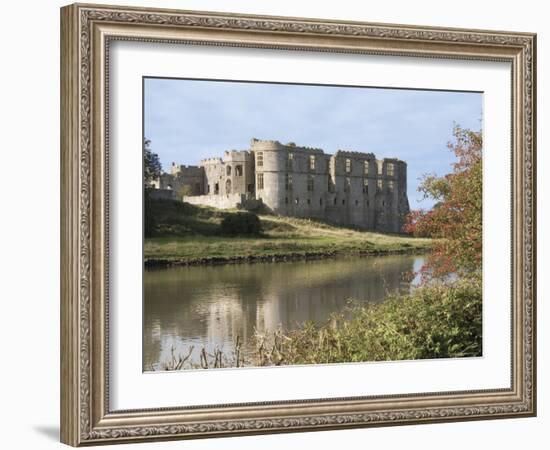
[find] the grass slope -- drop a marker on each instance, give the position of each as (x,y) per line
(187,233)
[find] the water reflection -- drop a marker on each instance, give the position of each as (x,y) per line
(210,306)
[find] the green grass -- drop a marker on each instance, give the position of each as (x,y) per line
(185,232)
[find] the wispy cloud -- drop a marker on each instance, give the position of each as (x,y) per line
(188,120)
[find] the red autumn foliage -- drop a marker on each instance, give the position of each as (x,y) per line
(455,221)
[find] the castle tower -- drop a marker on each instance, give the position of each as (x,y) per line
(291,180)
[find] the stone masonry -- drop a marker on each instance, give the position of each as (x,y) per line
(347,188)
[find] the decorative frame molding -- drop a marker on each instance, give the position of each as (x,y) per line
(86,31)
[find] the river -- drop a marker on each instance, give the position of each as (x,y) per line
(211,305)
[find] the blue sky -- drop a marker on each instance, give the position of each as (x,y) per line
(187,120)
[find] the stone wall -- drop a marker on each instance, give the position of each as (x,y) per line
(162,194)
(347,188)
(228,201)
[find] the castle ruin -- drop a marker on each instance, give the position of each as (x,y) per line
(346,188)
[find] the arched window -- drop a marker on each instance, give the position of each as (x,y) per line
(228,170)
(228,187)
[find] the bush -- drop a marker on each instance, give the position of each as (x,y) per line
(241,223)
(440,320)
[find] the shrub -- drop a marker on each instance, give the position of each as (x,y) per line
(456,219)
(241,223)
(439,320)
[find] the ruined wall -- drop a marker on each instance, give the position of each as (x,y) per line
(347,188)
(224,201)
(234,174)
(188,180)
(162,194)
(392,203)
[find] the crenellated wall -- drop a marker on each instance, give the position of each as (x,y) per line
(348,188)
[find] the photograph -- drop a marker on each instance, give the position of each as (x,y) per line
(292,220)
(289,224)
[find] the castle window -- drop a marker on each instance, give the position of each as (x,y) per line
(169,187)
(228,187)
(380,184)
(228,170)
(321,201)
(288,181)
(297,200)
(239,170)
(343,201)
(260,159)
(311,162)
(390,185)
(390,169)
(348,165)
(347,186)
(366,186)
(367,203)
(383,203)
(260,182)
(216,188)
(290,161)
(366,167)
(286,200)
(208,189)
(250,188)
(356,202)
(310,183)
(309,201)
(335,200)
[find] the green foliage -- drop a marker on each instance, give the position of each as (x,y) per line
(174,218)
(241,223)
(185,190)
(456,219)
(151,164)
(184,232)
(439,320)
(149,220)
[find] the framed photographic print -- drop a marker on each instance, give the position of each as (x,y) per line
(276,224)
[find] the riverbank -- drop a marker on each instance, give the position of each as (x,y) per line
(438,320)
(190,235)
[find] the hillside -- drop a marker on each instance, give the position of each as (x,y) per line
(189,234)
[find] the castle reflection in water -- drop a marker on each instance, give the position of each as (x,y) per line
(210,306)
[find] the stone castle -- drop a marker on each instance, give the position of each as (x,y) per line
(346,188)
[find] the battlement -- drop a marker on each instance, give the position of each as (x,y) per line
(270,145)
(181,169)
(394,160)
(209,161)
(238,156)
(353,154)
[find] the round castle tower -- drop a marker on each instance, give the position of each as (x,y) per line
(270,160)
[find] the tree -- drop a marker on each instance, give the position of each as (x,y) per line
(151,164)
(455,221)
(184,191)
(151,172)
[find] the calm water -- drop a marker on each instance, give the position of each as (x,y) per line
(210,306)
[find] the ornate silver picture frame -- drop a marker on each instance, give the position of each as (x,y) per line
(87,33)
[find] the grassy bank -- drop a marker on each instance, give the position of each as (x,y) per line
(186,233)
(441,320)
